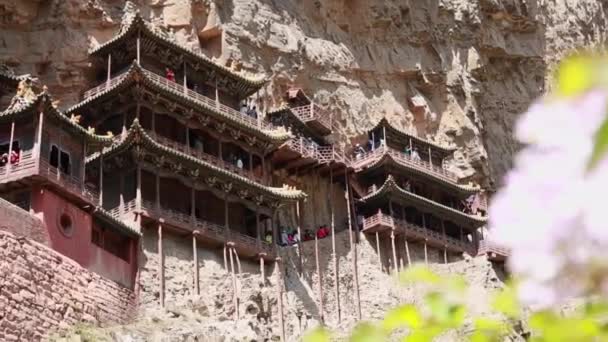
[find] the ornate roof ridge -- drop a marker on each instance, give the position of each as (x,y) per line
(390,184)
(138,20)
(137,135)
(136,69)
(44,99)
(384,121)
(462,187)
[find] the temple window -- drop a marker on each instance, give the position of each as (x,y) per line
(112,242)
(60,159)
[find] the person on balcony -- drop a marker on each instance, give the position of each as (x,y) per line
(253,112)
(239,163)
(359,151)
(268,237)
(284,237)
(415,155)
(15,154)
(169,74)
(244,109)
(408,151)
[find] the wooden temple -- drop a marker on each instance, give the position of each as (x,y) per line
(406,193)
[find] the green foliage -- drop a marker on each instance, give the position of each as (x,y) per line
(443,311)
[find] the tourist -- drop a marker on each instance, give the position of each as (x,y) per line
(169,74)
(359,151)
(268,237)
(370,144)
(244,109)
(308,235)
(284,237)
(415,155)
(3,159)
(407,185)
(408,151)
(239,163)
(253,112)
(296,236)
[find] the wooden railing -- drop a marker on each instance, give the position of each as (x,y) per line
(362,160)
(206,157)
(488,246)
(323,154)
(411,229)
(30,166)
(186,221)
(313,112)
(168,84)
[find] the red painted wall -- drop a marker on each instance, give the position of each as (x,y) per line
(78,246)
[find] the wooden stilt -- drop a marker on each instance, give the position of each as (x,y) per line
(280,298)
(161,265)
(299,229)
(401,257)
(426,256)
(225,259)
(407,252)
(333,247)
(195,259)
(379,252)
(101,181)
(320,281)
(394,251)
(238,261)
(353,247)
(235,299)
(262,270)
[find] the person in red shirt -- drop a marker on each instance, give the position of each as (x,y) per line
(169,74)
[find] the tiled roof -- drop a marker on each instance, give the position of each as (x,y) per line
(385,123)
(105,216)
(137,75)
(44,102)
(389,158)
(138,24)
(138,136)
(390,187)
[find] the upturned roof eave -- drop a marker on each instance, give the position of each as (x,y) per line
(137,23)
(137,136)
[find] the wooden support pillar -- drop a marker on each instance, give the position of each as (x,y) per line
(101,180)
(225,258)
(410,145)
(121,199)
(185,79)
(430,157)
(138,48)
(280,298)
(197,289)
(395,268)
(426,256)
(217,96)
(161,265)
(352,244)
(10,148)
(373,141)
(83,175)
(262,270)
(379,253)
(138,199)
(407,252)
(333,245)
(38,150)
(320,281)
(299,229)
(109,70)
(235,297)
(384,136)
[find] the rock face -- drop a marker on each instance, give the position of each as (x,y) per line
(449,70)
(453,71)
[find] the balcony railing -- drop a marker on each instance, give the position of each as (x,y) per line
(171,85)
(362,160)
(29,166)
(488,246)
(206,157)
(313,112)
(323,154)
(413,230)
(185,221)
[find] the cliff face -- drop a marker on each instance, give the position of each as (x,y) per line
(450,70)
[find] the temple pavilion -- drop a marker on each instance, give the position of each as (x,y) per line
(406,193)
(186,158)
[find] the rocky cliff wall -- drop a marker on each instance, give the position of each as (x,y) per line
(450,70)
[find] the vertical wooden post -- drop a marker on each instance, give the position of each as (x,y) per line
(38,151)
(217,96)
(262,269)
(101,180)
(109,70)
(430,158)
(352,245)
(333,244)
(373,141)
(235,298)
(320,281)
(121,199)
(395,268)
(384,136)
(426,256)
(197,289)
(10,149)
(161,265)
(299,228)
(185,80)
(225,258)
(407,252)
(280,297)
(83,166)
(379,253)
(139,48)
(411,146)
(138,196)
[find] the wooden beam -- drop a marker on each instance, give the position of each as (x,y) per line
(197,289)
(333,246)
(352,247)
(161,266)
(280,298)
(319,280)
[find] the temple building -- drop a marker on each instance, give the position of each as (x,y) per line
(407,194)
(42,170)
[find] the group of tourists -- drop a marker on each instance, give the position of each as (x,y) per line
(249,110)
(291,236)
(12,157)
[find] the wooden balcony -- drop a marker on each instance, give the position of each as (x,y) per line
(206,157)
(301,153)
(493,250)
(381,223)
(363,161)
(186,92)
(315,117)
(210,234)
(30,170)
